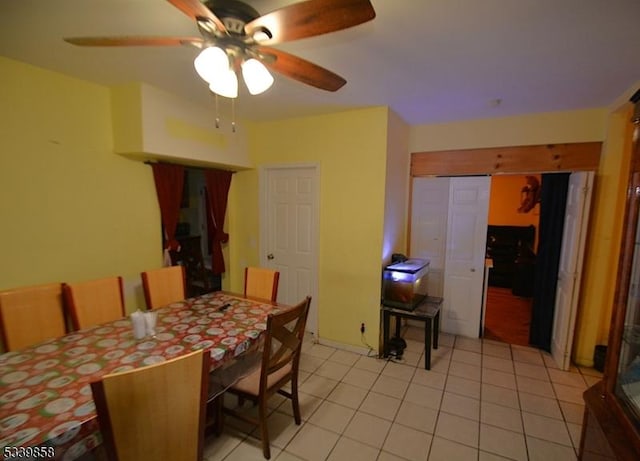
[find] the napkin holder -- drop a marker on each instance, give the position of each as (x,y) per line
(138,324)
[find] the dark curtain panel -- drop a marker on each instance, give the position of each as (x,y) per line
(210,224)
(218,182)
(553,200)
(169,181)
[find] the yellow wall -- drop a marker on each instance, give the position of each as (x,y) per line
(531,129)
(350,148)
(126,118)
(243,226)
(71,209)
(603,244)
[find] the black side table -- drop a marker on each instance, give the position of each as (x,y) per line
(428,311)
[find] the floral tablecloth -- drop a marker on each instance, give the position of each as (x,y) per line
(45,396)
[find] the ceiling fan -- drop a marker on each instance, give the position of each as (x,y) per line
(235,37)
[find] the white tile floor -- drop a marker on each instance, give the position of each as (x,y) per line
(481,401)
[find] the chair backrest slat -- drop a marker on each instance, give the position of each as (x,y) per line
(261,283)
(283,340)
(94,302)
(155,412)
(30,315)
(163,286)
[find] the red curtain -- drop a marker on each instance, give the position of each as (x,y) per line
(169,181)
(218,182)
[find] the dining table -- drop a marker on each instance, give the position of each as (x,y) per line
(46,405)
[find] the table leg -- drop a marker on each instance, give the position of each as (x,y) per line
(385,333)
(427,344)
(436,329)
(398,321)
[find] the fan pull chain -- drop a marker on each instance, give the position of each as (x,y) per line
(217,111)
(233,115)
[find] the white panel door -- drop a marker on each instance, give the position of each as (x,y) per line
(290,233)
(466,247)
(429,205)
(570,267)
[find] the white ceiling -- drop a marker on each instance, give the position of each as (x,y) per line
(429,60)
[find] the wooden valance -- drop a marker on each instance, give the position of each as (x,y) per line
(584,156)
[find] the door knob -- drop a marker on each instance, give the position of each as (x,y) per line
(270,256)
(472,269)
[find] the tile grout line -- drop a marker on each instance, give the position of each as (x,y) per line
(415,367)
(341,434)
(524,429)
(435,426)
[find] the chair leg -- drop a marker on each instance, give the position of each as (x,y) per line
(218,415)
(295,403)
(264,432)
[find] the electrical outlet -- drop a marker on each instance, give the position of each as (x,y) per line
(362,327)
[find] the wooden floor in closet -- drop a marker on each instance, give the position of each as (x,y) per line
(507,317)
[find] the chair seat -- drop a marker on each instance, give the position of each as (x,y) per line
(250,384)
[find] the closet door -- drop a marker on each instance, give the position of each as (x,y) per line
(429,205)
(465,255)
(574,237)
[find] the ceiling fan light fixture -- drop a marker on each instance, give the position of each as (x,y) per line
(211,63)
(261,34)
(256,76)
(225,84)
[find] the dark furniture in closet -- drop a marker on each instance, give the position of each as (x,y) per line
(511,249)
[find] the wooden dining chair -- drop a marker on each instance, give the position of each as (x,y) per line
(279,366)
(30,315)
(155,412)
(94,302)
(163,286)
(261,283)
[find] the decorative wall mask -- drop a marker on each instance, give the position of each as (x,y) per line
(529,194)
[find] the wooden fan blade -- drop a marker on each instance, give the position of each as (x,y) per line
(194,9)
(301,70)
(132,41)
(310,18)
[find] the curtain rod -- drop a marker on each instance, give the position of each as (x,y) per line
(149,162)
